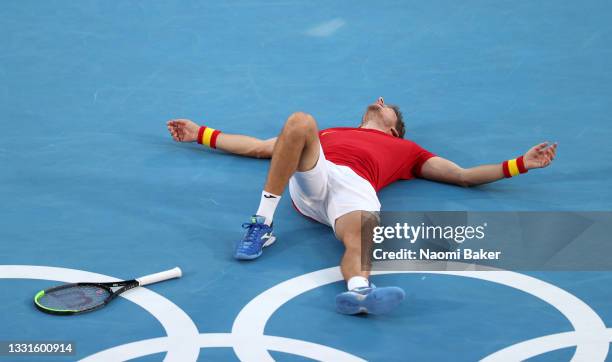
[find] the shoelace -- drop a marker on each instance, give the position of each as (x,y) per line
(250,236)
(362,290)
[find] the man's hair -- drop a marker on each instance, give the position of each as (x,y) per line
(399,126)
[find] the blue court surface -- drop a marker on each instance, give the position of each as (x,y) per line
(93,187)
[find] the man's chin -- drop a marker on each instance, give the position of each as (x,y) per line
(373,112)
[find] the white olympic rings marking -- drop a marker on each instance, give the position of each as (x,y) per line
(183,342)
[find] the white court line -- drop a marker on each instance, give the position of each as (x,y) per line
(297,347)
(590,335)
(537,346)
(252,319)
(178,325)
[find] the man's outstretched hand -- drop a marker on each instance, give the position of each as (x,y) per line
(540,155)
(183,130)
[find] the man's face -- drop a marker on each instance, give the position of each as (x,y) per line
(382,114)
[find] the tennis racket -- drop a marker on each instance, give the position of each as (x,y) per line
(76,298)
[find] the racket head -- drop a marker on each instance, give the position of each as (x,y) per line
(73,298)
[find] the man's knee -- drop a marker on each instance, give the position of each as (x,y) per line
(300,122)
(352,247)
(369,220)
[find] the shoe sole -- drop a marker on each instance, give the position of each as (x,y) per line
(379,301)
(268,242)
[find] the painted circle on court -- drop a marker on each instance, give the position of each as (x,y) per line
(183,342)
(296,347)
(177,324)
(252,319)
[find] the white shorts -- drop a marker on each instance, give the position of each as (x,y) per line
(329,191)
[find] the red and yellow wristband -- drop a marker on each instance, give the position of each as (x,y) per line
(514,167)
(208,136)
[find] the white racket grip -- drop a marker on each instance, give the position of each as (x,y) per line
(160,277)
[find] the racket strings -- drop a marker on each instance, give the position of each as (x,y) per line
(77,298)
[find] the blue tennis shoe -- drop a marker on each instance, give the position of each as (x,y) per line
(258,235)
(370,300)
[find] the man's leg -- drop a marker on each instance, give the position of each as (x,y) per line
(296,149)
(348,229)
(362,297)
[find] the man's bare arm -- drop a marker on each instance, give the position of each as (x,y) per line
(246,145)
(184,130)
(443,170)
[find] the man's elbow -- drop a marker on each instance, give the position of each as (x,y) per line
(463,180)
(261,154)
(262,150)
(464,184)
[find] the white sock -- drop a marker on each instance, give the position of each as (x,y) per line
(357,282)
(267,206)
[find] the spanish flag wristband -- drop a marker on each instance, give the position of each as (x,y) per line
(514,167)
(208,136)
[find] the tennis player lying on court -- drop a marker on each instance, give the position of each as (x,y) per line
(333,176)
